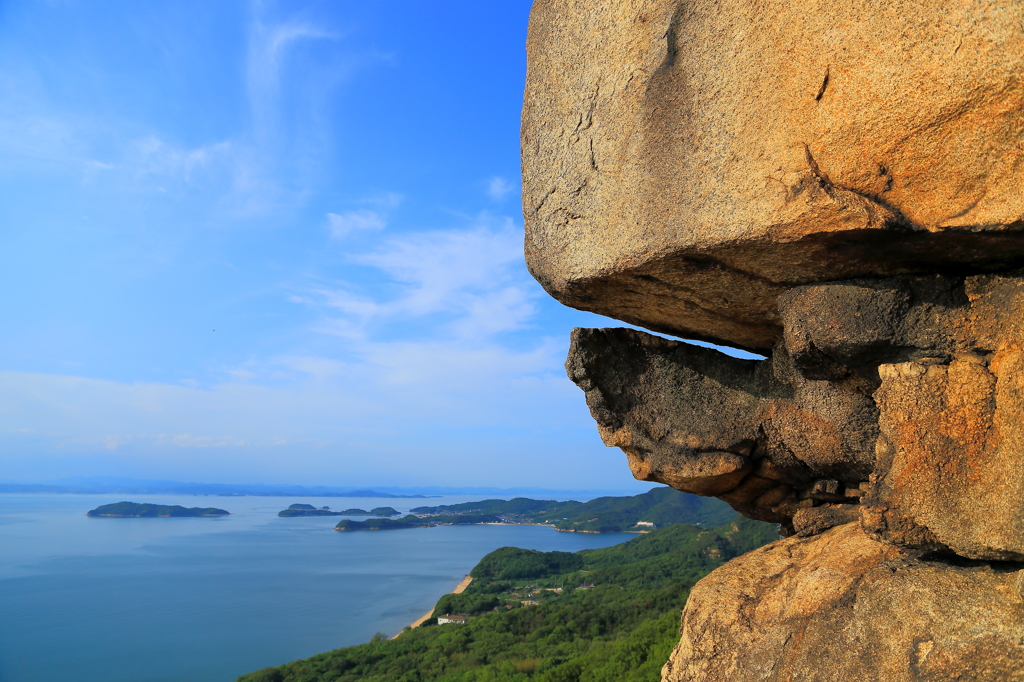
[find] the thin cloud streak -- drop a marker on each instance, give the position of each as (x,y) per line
(341,225)
(498,188)
(472,280)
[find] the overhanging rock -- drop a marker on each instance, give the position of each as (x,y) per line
(684,163)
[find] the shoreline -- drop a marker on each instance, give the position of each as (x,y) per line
(459,589)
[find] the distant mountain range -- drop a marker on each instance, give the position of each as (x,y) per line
(84,485)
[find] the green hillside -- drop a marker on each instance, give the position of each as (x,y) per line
(521,506)
(660,506)
(602,615)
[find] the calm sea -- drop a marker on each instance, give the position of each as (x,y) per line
(205,600)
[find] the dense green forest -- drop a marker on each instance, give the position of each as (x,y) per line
(137,510)
(660,506)
(601,615)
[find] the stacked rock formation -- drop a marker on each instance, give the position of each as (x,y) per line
(840,188)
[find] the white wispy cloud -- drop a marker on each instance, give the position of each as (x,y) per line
(425,372)
(266,162)
(471,280)
(498,188)
(355,221)
(269,44)
(405,413)
(385,201)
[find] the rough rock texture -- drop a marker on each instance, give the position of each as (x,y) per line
(885,432)
(841,606)
(686,162)
(904,394)
(756,434)
(950,467)
(839,187)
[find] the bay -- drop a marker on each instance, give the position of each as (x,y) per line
(207,599)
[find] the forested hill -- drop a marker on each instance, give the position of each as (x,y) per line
(660,506)
(595,615)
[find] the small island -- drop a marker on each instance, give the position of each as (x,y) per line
(135,510)
(409,521)
(310,510)
(413,521)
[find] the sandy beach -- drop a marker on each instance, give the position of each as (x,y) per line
(459,589)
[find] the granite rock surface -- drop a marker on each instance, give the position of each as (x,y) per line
(837,187)
(685,163)
(841,606)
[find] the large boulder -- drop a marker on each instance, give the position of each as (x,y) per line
(841,606)
(837,186)
(687,161)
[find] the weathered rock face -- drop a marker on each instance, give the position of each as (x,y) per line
(839,186)
(840,606)
(905,394)
(898,403)
(686,162)
(756,434)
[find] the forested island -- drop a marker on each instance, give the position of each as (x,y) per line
(135,510)
(310,510)
(656,508)
(598,614)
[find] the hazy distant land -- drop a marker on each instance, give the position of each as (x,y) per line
(105,485)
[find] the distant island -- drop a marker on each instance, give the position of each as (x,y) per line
(642,513)
(134,510)
(310,510)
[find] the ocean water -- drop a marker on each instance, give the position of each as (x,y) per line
(205,600)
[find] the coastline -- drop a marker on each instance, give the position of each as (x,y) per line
(459,589)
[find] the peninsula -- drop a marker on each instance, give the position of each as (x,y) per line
(135,510)
(597,614)
(642,513)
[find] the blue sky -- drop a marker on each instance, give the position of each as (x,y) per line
(276,242)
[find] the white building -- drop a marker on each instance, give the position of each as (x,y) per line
(461,620)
